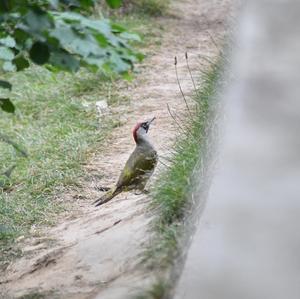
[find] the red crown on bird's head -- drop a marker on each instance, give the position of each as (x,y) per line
(134,130)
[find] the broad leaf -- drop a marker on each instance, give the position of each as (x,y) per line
(39,53)
(64,61)
(8,42)
(93,60)
(37,20)
(7,105)
(130,36)
(64,38)
(54,3)
(5,6)
(76,43)
(6,53)
(87,3)
(119,65)
(117,28)
(8,66)
(21,63)
(5,84)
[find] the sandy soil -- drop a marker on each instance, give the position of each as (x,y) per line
(96,253)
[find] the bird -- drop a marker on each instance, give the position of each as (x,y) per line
(139,166)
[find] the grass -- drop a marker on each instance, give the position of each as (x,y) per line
(57,123)
(148,7)
(140,8)
(157,291)
(173,192)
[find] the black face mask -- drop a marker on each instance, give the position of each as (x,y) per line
(145,126)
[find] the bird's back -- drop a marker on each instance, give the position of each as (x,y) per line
(138,168)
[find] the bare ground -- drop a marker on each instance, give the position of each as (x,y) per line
(96,252)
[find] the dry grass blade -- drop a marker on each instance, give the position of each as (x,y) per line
(182,93)
(189,69)
(215,43)
(174,118)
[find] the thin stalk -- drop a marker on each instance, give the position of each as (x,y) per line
(187,106)
(189,69)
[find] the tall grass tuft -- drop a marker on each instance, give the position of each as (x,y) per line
(57,122)
(173,193)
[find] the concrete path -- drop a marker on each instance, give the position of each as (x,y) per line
(247,245)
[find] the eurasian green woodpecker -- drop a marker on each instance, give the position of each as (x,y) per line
(138,168)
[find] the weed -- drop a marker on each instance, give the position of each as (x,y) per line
(172,196)
(156,291)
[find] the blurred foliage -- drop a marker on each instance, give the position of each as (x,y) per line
(60,35)
(152,8)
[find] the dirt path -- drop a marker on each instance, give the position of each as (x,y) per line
(97,253)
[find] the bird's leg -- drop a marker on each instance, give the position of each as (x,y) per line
(101,188)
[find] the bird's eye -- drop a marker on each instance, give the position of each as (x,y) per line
(145,126)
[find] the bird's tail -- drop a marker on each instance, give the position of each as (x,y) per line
(107,196)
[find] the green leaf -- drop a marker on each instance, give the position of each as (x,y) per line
(117,28)
(6,53)
(68,15)
(5,84)
(127,76)
(39,53)
(139,56)
(72,3)
(7,105)
(87,3)
(5,6)
(64,33)
(92,60)
(119,65)
(8,41)
(37,20)
(114,3)
(20,36)
(21,63)
(102,26)
(64,38)
(130,36)
(73,42)
(64,61)
(54,3)
(8,66)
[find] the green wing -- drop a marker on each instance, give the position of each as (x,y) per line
(138,164)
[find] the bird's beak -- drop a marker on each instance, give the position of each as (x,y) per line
(150,121)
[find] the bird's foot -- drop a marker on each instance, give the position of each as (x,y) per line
(139,192)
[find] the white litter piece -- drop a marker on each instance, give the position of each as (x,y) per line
(102,107)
